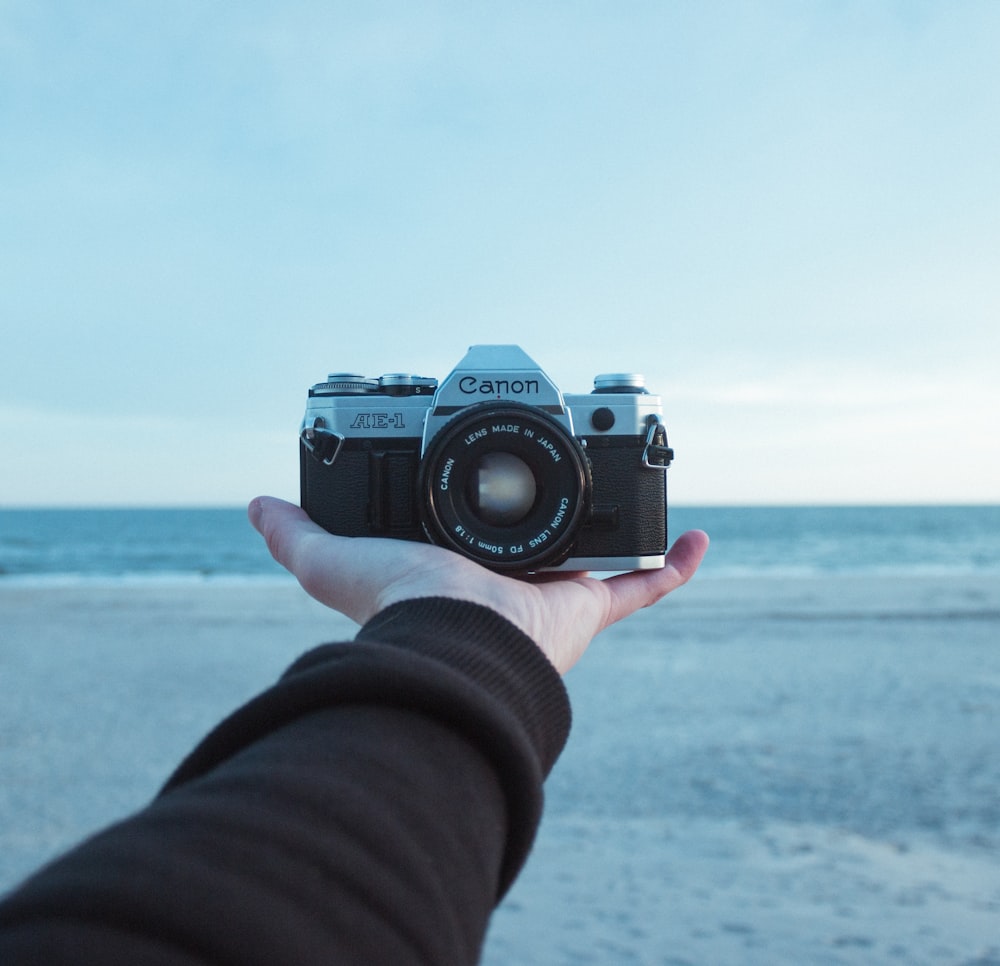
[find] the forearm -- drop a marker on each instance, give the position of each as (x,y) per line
(369,808)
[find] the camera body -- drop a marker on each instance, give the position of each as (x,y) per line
(494,463)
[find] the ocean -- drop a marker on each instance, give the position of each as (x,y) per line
(68,545)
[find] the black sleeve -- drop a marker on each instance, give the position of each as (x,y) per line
(371,807)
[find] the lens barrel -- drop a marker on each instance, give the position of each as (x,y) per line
(506,485)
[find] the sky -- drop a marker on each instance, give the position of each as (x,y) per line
(786,215)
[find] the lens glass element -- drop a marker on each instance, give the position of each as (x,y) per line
(501,489)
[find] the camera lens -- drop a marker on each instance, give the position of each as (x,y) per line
(504,484)
(501,489)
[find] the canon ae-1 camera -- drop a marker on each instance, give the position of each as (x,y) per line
(495,463)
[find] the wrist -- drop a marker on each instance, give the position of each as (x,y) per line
(489,650)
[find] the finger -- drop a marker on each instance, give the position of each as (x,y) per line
(687,553)
(320,561)
(633,591)
(283,526)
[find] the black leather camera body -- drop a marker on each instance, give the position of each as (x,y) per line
(494,463)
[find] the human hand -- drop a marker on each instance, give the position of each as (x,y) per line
(561,612)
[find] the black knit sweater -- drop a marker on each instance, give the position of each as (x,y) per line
(371,807)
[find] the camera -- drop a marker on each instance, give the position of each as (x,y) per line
(494,463)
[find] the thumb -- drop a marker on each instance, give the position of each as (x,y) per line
(633,591)
(283,526)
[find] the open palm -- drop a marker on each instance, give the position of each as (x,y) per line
(561,612)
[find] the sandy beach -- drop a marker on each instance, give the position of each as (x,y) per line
(761,771)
